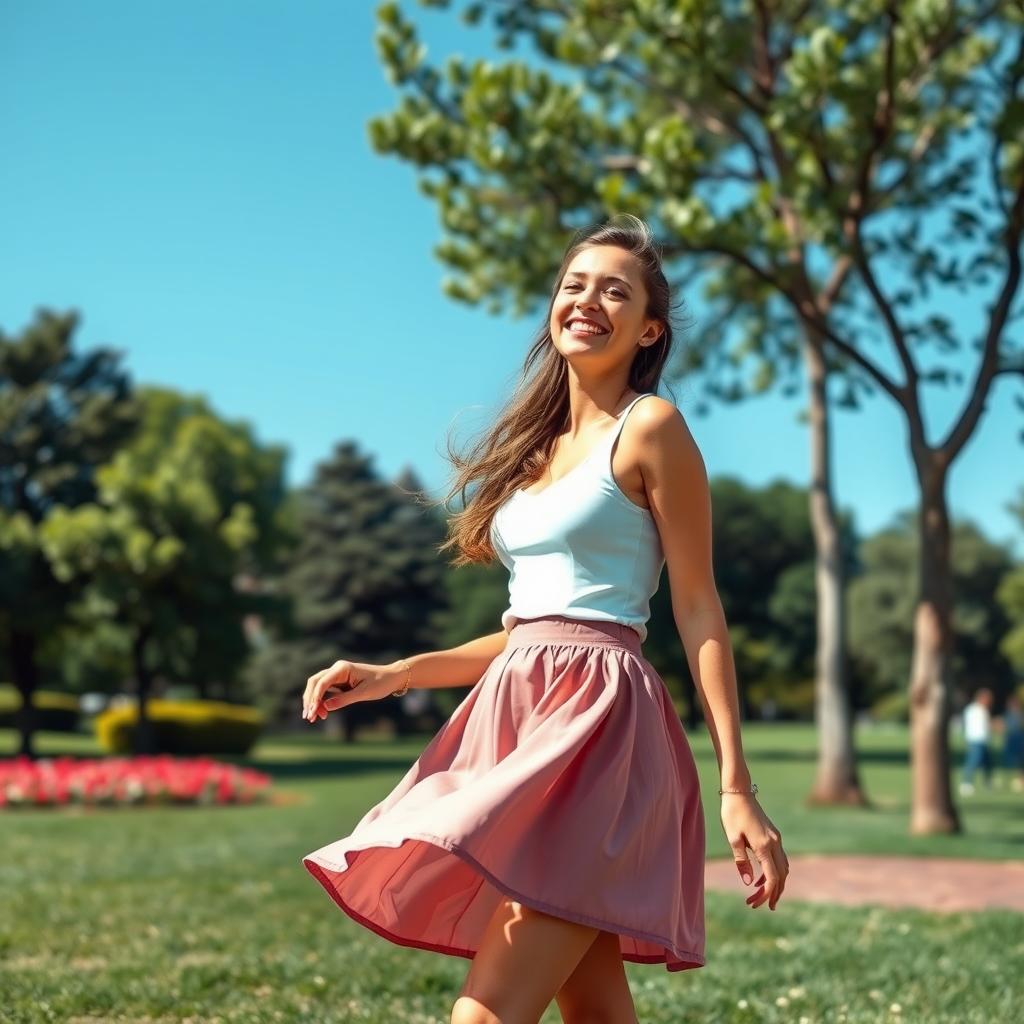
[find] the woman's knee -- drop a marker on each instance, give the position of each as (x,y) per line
(597,992)
(469,1011)
(525,955)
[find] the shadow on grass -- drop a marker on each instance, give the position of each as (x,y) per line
(338,768)
(810,756)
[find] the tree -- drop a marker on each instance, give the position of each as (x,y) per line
(181,513)
(764,563)
(789,150)
(882,599)
(363,582)
(1010,596)
(62,414)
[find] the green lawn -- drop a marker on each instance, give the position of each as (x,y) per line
(208,915)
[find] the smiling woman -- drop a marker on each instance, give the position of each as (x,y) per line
(553,829)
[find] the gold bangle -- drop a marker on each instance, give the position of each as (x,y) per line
(408,679)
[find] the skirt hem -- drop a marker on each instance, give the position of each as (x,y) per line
(688,959)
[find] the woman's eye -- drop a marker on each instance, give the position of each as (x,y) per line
(614,291)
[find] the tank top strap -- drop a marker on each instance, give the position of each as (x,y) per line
(604,462)
(621,419)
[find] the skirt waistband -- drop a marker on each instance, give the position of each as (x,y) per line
(565,630)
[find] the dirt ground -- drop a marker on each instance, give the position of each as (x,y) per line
(927,883)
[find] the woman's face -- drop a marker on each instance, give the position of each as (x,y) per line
(602,285)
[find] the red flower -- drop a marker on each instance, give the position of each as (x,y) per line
(145,779)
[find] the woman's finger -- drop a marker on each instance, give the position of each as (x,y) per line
(339,691)
(759,886)
(340,677)
(771,874)
(319,694)
(315,694)
(334,699)
(783,870)
(308,701)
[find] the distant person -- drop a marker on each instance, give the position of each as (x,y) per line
(1013,741)
(977,733)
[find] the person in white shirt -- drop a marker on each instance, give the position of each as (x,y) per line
(977,724)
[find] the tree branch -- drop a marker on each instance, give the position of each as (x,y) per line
(989,365)
(1009,367)
(997,147)
(725,125)
(804,307)
(856,211)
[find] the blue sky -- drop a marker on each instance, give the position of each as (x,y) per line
(197,181)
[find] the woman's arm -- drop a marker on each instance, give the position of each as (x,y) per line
(349,682)
(458,666)
(705,638)
(677,488)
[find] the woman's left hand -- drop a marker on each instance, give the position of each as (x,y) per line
(746,825)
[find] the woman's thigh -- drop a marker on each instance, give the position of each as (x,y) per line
(525,957)
(597,990)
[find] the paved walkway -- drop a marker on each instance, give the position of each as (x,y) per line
(928,883)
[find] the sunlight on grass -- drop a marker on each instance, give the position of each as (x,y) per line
(165,914)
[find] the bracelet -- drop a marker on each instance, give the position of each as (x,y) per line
(408,679)
(746,792)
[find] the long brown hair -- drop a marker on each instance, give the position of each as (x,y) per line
(515,450)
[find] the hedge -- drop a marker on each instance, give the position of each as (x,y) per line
(182,727)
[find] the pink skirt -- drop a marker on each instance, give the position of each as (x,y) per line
(563,780)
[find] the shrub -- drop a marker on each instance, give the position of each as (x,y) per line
(54,712)
(893,707)
(182,727)
(793,698)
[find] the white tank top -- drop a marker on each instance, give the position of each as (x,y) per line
(580,547)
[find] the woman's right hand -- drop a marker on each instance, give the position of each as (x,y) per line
(344,683)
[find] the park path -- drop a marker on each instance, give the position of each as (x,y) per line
(927,883)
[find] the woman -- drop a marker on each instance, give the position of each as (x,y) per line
(553,828)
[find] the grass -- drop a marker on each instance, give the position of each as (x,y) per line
(207,915)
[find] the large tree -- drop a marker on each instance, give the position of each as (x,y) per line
(882,600)
(791,151)
(363,581)
(62,414)
(182,513)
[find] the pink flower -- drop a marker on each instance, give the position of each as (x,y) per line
(142,780)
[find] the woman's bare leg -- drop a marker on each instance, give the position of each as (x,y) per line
(597,990)
(525,957)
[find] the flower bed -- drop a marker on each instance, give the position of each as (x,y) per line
(127,781)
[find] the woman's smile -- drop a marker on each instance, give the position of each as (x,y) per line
(584,330)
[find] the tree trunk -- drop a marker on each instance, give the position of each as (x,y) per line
(23,668)
(836,780)
(932,810)
(145,737)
